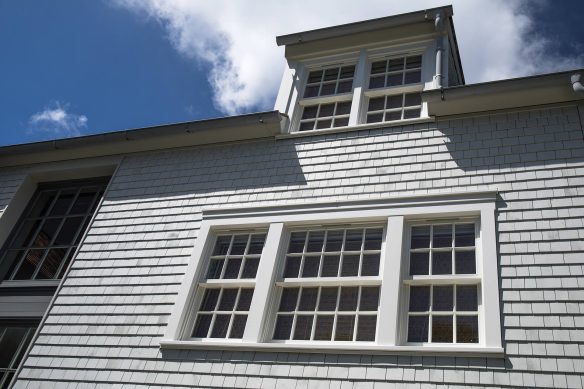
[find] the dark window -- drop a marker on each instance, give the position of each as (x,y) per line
(14,339)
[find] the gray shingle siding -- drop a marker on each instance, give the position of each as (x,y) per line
(104,327)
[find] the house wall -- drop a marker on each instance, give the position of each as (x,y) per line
(104,327)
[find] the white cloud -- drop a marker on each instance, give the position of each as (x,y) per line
(54,120)
(497,38)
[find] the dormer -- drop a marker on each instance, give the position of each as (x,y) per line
(367,72)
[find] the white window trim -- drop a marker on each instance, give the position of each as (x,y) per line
(396,213)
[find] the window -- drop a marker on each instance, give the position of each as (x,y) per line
(366,276)
(395,72)
(394,107)
(46,237)
(329,81)
(14,340)
(325,116)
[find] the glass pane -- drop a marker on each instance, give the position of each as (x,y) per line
(341,122)
(283,327)
(215,267)
(239,244)
(375,118)
(414,62)
(324,327)
(419,298)
(376,104)
(343,108)
(442,236)
(315,76)
(345,327)
(395,64)
(9,344)
(42,204)
(373,238)
(220,326)
(347,71)
(315,241)
(412,113)
(348,300)
(326,110)
(441,262)
(310,112)
(63,202)
(418,329)
(83,202)
(46,233)
(222,245)
(297,242)
(232,268)
(311,90)
(467,298)
(353,240)
(328,299)
(394,101)
(292,267)
(32,259)
(303,327)
(465,262)
(378,67)
(442,329)
(67,261)
(245,296)
(256,244)
(419,263)
(311,264)
(250,268)
(394,79)
(202,325)
(366,327)
(350,267)
(334,240)
(392,115)
(308,299)
(228,298)
(345,86)
(369,298)
(412,99)
(376,82)
(324,124)
(370,266)
(443,298)
(13,258)
(68,231)
(465,235)
(51,264)
(24,237)
(238,326)
(413,77)
(328,89)
(288,300)
(210,300)
(331,74)
(330,266)
(420,237)
(467,329)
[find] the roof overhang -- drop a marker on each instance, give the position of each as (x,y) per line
(202,132)
(512,93)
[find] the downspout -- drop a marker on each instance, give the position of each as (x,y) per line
(577,83)
(439,27)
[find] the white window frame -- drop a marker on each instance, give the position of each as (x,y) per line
(396,214)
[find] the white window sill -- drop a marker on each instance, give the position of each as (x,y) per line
(337,347)
(359,127)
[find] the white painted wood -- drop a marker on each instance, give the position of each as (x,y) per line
(359,85)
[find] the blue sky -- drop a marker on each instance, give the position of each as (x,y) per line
(77,67)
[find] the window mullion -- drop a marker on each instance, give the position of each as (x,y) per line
(359,81)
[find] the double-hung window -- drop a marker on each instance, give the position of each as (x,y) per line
(403,275)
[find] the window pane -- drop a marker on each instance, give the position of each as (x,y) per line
(442,236)
(394,101)
(238,326)
(310,112)
(239,244)
(441,262)
(467,329)
(9,344)
(345,327)
(345,86)
(66,262)
(366,328)
(412,99)
(24,237)
(220,326)
(83,202)
(210,300)
(311,90)
(245,296)
(392,115)
(227,300)
(412,113)
(419,298)
(303,327)
(63,203)
(324,124)
(419,263)
(292,267)
(341,122)
(348,300)
(250,268)
(465,262)
(328,299)
(418,329)
(51,264)
(215,267)
(222,245)
(420,237)
(283,327)
(376,82)
(395,64)
(297,242)
(347,71)
(311,264)
(331,74)
(375,118)
(378,67)
(343,108)
(353,240)
(232,268)
(443,298)
(328,89)
(465,235)
(414,62)
(315,76)
(376,104)
(334,240)
(373,238)
(308,299)
(394,79)
(27,268)
(47,233)
(413,77)
(369,298)
(202,326)
(315,241)
(442,329)
(467,298)
(330,265)
(289,299)
(43,203)
(324,327)
(326,110)
(256,244)
(350,267)
(370,266)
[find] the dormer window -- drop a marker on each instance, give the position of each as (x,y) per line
(395,72)
(329,81)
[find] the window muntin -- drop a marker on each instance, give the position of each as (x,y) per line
(394,107)
(393,72)
(14,339)
(329,81)
(46,238)
(329,115)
